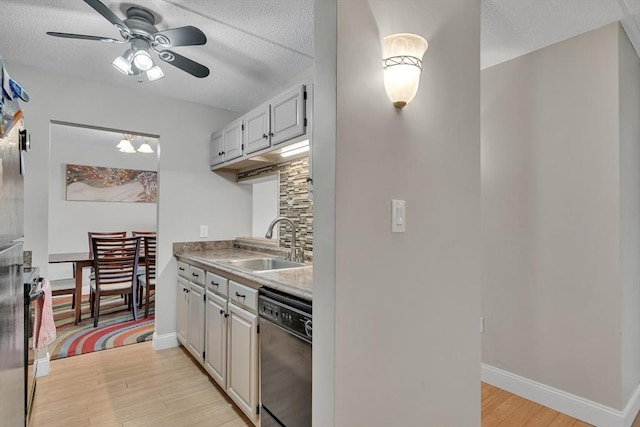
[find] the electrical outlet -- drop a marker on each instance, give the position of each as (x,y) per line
(204,231)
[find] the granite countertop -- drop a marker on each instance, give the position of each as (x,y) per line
(293,281)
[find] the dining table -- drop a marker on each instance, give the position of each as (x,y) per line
(81,261)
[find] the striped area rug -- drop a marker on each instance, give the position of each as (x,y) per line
(116,327)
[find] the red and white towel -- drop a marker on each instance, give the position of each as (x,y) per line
(44,325)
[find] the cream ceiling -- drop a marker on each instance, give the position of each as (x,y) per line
(256,46)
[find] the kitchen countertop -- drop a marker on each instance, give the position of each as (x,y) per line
(293,281)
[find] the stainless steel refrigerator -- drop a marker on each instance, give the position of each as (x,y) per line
(12,293)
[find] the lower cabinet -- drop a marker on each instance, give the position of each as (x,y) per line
(242,369)
(182,310)
(215,361)
(195,334)
(221,332)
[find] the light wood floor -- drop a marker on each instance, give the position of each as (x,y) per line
(137,386)
(131,386)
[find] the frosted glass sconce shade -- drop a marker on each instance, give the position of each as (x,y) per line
(402,66)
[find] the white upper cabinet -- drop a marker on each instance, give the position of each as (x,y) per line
(232,137)
(256,129)
(217,148)
(280,121)
(288,115)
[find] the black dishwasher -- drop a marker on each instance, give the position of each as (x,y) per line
(285,359)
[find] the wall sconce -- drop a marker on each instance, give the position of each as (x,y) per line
(402,66)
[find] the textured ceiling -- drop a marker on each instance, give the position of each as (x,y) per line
(255,47)
(511,28)
(252,47)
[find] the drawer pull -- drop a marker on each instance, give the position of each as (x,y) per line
(214,283)
(180,268)
(239,295)
(194,274)
(221,311)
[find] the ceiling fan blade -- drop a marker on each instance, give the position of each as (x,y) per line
(84,37)
(182,36)
(109,15)
(185,64)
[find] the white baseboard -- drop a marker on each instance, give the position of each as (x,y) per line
(161,342)
(575,406)
(42,365)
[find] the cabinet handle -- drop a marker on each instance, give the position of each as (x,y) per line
(221,311)
(271,134)
(214,283)
(219,153)
(222,152)
(180,268)
(265,136)
(194,274)
(226,315)
(240,295)
(187,290)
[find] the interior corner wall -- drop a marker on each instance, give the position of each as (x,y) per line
(323,168)
(189,193)
(551,209)
(407,305)
(629,90)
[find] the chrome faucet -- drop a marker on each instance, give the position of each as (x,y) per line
(296,254)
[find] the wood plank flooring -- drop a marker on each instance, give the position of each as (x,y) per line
(131,386)
(137,386)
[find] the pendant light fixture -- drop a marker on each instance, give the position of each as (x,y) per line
(145,147)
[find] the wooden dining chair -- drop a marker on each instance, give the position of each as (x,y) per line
(105,235)
(143,261)
(115,263)
(147,281)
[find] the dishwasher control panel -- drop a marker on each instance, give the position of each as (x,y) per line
(289,318)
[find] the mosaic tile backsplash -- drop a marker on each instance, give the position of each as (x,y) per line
(294,199)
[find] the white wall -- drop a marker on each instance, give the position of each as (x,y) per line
(189,194)
(69,221)
(560,216)
(407,306)
(264,207)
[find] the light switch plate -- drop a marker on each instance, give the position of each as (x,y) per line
(398,216)
(204,231)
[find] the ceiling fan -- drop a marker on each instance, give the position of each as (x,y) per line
(138,29)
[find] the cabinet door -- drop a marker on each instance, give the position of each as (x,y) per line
(256,124)
(182,310)
(217,155)
(215,359)
(242,360)
(195,330)
(232,139)
(288,116)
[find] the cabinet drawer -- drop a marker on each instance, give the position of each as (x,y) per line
(217,284)
(183,269)
(196,275)
(243,295)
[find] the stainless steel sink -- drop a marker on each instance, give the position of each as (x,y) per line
(263,264)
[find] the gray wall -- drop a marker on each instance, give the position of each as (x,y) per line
(629,212)
(406,338)
(555,184)
(184,129)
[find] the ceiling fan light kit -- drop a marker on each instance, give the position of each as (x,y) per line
(138,29)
